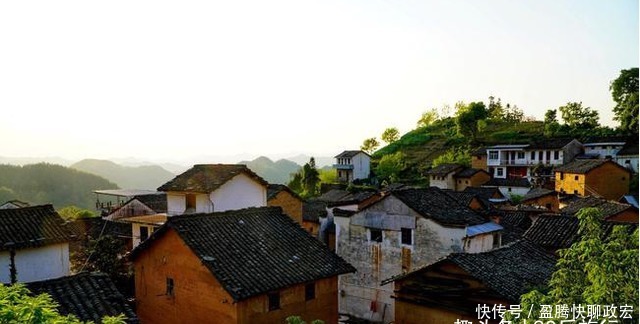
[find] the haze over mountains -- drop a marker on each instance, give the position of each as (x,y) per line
(140,177)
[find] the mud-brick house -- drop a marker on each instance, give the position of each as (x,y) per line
(479,158)
(312,213)
(252,265)
(207,188)
(34,244)
(470,177)
(404,230)
(603,178)
(542,197)
(285,198)
(449,290)
(87,296)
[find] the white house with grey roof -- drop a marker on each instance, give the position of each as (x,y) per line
(352,165)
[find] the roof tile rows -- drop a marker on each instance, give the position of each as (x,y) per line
(444,169)
(88,296)
(607,207)
(581,166)
(350,154)
(206,178)
(253,251)
(536,193)
(34,226)
(437,205)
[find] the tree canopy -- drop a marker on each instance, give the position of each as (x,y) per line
(369,145)
(390,166)
(575,116)
(624,91)
(467,118)
(428,118)
(390,135)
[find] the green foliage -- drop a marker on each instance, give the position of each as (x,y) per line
(17,305)
(624,91)
(306,181)
(389,167)
(494,108)
(328,175)
(369,145)
(104,255)
(595,270)
(428,118)
(390,135)
(51,184)
(457,156)
(298,320)
(467,118)
(577,117)
(71,213)
(295,183)
(515,199)
(512,114)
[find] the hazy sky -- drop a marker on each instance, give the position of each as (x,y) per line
(176,79)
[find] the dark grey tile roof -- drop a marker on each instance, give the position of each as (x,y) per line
(17,203)
(444,169)
(582,166)
(206,178)
(333,195)
(156,202)
(468,173)
(559,232)
(515,224)
(484,192)
(274,189)
(312,210)
(605,139)
(536,193)
(88,296)
(435,204)
(31,227)
(338,197)
(607,207)
(550,143)
(479,151)
(350,154)
(464,198)
(253,251)
(514,182)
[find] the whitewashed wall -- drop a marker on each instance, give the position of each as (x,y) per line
(239,192)
(361,166)
(36,264)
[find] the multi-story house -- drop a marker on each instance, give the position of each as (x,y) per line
(602,178)
(518,160)
(352,165)
(603,147)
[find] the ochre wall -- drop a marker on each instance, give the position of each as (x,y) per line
(609,180)
(479,162)
(311,227)
(476,180)
(291,205)
(198,298)
(292,302)
(569,184)
(629,216)
(552,200)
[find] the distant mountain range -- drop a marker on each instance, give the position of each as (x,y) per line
(139,177)
(274,172)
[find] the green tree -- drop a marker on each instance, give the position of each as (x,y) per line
(296,182)
(576,116)
(390,135)
(299,320)
(328,175)
(390,166)
(467,118)
(512,114)
(428,118)
(310,178)
(596,270)
(73,213)
(457,156)
(624,91)
(369,145)
(551,125)
(494,109)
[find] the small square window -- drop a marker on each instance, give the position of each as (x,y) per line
(556,155)
(520,155)
(375,235)
(406,234)
(310,291)
(575,178)
(533,155)
(170,286)
(144,233)
(575,192)
(274,301)
(500,172)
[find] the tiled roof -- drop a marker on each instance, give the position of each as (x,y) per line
(479,151)
(550,143)
(31,227)
(581,166)
(515,182)
(536,193)
(559,232)
(88,296)
(274,189)
(444,169)
(515,224)
(467,173)
(17,203)
(338,197)
(464,198)
(312,210)
(597,140)
(630,147)
(484,192)
(206,178)
(253,251)
(435,204)
(157,202)
(607,207)
(350,154)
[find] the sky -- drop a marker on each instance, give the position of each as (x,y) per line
(173,80)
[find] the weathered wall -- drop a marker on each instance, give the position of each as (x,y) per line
(239,192)
(633,162)
(476,180)
(361,166)
(568,183)
(479,243)
(446,182)
(628,216)
(609,180)
(479,162)
(549,201)
(198,297)
(47,262)
(291,205)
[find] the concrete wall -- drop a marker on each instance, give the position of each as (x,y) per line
(361,166)
(239,192)
(48,262)
(378,261)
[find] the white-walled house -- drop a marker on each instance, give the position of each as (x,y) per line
(34,244)
(352,165)
(404,230)
(145,213)
(628,156)
(208,188)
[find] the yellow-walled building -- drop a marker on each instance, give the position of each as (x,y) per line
(603,178)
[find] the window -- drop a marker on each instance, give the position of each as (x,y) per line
(509,189)
(540,155)
(520,155)
(627,161)
(170,287)
(144,233)
(533,155)
(466,182)
(548,206)
(561,176)
(575,192)
(493,155)
(459,181)
(274,301)
(406,234)
(499,172)
(310,291)
(375,235)
(190,203)
(575,178)
(556,155)
(548,155)
(496,240)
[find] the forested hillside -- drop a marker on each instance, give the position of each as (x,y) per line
(50,184)
(148,177)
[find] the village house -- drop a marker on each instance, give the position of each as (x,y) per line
(518,160)
(470,200)
(312,213)
(34,244)
(207,188)
(252,265)
(145,213)
(352,165)
(613,211)
(603,147)
(449,290)
(510,187)
(87,296)
(14,204)
(628,155)
(542,197)
(290,202)
(92,228)
(441,176)
(470,177)
(479,158)
(603,178)
(403,230)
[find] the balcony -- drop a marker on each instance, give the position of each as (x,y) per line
(343,166)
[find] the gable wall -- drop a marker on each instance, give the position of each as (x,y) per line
(239,192)
(609,181)
(291,205)
(551,200)
(35,264)
(361,166)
